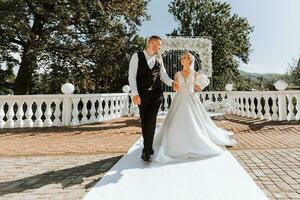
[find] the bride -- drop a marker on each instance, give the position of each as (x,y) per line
(187,131)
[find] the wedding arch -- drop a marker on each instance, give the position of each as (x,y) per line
(200,45)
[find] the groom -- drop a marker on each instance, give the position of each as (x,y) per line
(146,73)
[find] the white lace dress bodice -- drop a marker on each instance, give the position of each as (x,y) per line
(186,84)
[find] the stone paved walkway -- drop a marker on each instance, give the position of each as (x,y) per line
(52,177)
(63,163)
(270,153)
(115,136)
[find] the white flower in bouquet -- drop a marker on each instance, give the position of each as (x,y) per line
(202,80)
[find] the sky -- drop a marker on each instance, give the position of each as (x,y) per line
(275,41)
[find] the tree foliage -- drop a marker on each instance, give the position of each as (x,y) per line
(295,74)
(229,34)
(85,42)
(7,78)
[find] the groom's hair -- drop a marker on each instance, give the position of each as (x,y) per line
(153,37)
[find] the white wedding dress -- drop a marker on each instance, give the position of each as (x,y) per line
(188,131)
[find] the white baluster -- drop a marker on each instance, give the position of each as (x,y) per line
(38,114)
(112,107)
(274,107)
(117,107)
(259,108)
(248,113)
(29,114)
(121,106)
(93,111)
(231,97)
(106,108)
(234,107)
(267,108)
(282,106)
(290,115)
(297,117)
(210,96)
(216,96)
(2,114)
(75,112)
(100,110)
(240,105)
(20,113)
(125,105)
(84,112)
(57,113)
(10,114)
(253,113)
(243,105)
(48,113)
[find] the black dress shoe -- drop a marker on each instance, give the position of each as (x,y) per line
(146,157)
(152,152)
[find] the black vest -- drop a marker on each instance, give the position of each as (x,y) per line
(148,79)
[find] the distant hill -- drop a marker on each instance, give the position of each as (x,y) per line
(268,77)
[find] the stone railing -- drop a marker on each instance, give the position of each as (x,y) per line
(17,111)
(269,105)
(204,96)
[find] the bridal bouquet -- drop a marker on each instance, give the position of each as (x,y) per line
(217,106)
(202,80)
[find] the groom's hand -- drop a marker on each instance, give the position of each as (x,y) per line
(136,100)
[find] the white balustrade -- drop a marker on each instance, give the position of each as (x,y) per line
(92,110)
(203,96)
(269,105)
(17,111)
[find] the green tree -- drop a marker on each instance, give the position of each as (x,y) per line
(295,74)
(7,78)
(68,38)
(229,34)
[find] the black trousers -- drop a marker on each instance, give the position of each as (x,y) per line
(150,103)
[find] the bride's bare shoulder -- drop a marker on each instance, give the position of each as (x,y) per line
(176,74)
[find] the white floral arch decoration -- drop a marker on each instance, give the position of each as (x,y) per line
(202,46)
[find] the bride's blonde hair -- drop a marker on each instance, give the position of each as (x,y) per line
(188,54)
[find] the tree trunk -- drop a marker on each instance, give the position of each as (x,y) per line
(29,57)
(23,79)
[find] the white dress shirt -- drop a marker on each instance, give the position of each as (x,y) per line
(133,67)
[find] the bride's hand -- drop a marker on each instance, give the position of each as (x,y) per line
(175,86)
(197,88)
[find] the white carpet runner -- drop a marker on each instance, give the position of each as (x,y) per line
(216,178)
